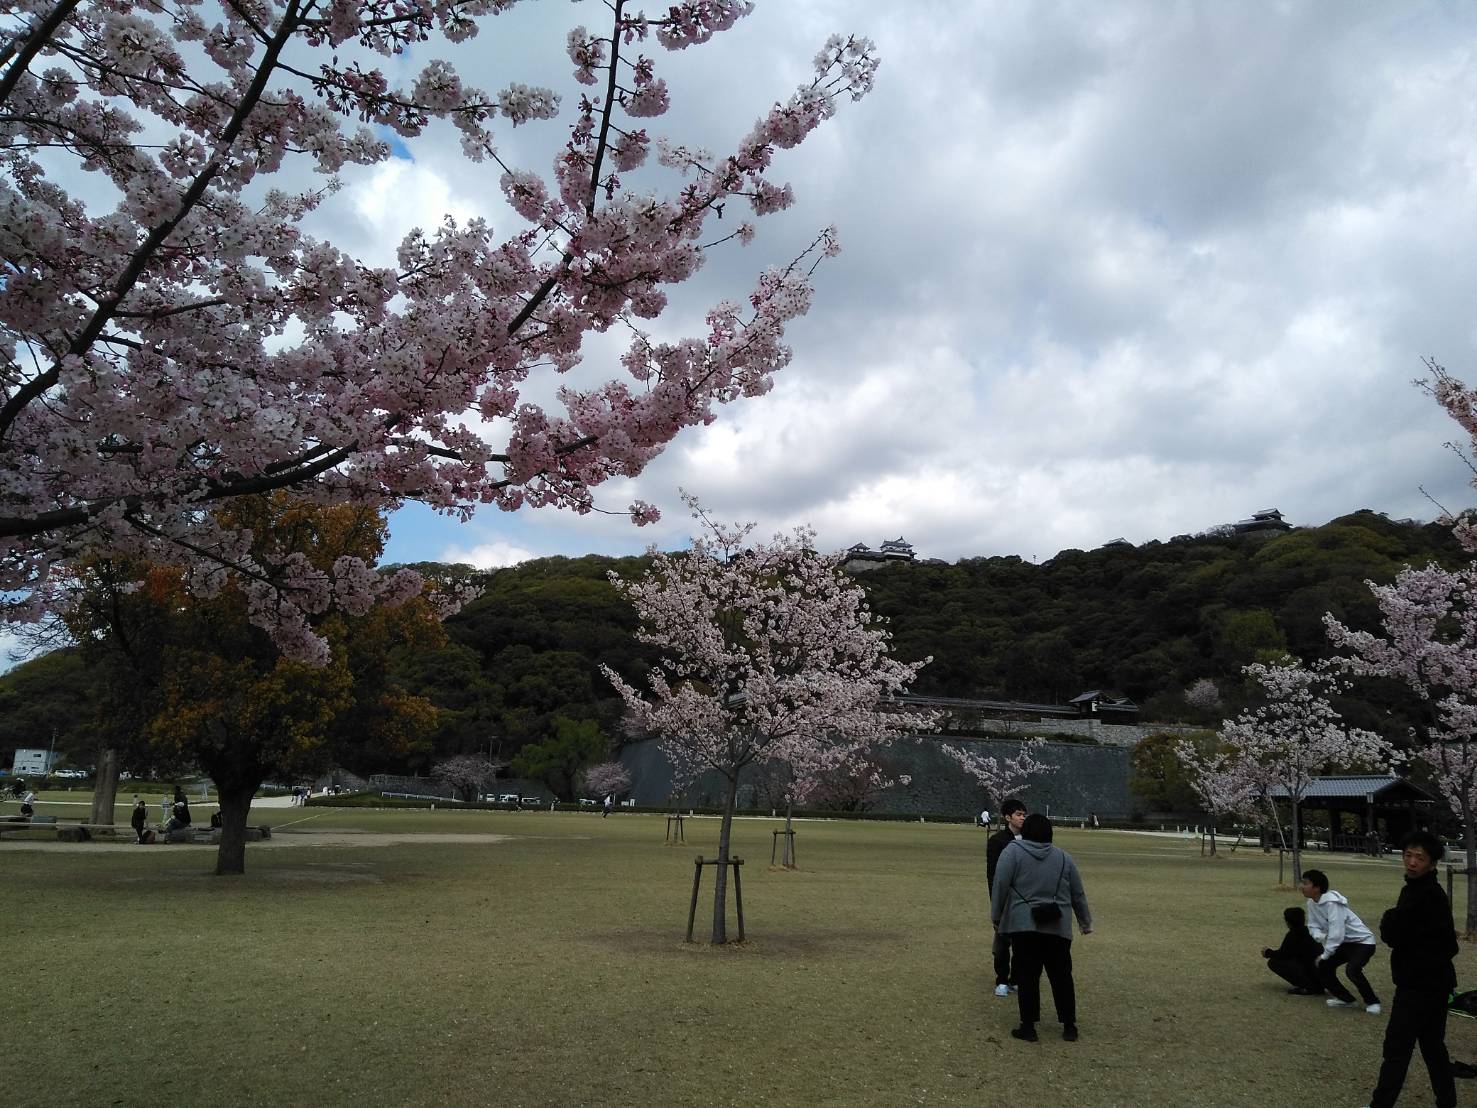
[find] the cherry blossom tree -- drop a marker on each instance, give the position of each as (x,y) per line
(769,654)
(1001,777)
(172,337)
(471,775)
(1296,735)
(816,771)
(1203,695)
(1429,643)
(1225,781)
(607,779)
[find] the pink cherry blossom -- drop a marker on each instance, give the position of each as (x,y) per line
(1227,782)
(768,654)
(189,341)
(997,776)
(1428,642)
(1296,736)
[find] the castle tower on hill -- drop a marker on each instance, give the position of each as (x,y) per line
(861,557)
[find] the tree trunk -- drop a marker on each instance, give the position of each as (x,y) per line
(720,884)
(235,799)
(1297,841)
(1276,820)
(787,859)
(1470,837)
(105,788)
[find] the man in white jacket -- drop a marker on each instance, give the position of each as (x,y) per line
(1346,942)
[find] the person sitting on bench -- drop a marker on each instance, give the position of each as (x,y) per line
(179,813)
(1295,961)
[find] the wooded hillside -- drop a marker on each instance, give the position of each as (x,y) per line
(1145,622)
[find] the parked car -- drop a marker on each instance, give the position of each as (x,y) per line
(508,798)
(530,802)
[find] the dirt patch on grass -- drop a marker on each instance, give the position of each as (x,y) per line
(283,839)
(793,944)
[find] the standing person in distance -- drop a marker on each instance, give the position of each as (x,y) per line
(1036,886)
(1013,812)
(1346,942)
(1422,942)
(140,818)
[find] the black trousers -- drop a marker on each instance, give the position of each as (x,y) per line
(1032,952)
(1354,956)
(1297,972)
(1417,1016)
(1001,951)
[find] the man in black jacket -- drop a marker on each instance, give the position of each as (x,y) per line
(1422,943)
(1294,961)
(1013,812)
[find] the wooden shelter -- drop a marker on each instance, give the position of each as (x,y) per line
(1382,804)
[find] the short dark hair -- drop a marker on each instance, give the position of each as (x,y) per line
(1318,877)
(1012,804)
(1037,828)
(1295,917)
(1434,848)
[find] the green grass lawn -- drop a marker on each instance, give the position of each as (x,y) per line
(548,969)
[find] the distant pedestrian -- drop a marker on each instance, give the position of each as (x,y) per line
(1295,961)
(609,801)
(1013,812)
(1422,942)
(28,804)
(140,818)
(163,810)
(1346,942)
(1036,887)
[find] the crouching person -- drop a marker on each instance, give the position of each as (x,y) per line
(1295,961)
(1346,942)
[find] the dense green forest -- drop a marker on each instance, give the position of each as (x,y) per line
(1145,622)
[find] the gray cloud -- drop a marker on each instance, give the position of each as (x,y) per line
(1110,269)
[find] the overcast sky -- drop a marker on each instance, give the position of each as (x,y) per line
(1110,270)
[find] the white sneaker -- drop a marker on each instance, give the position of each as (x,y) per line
(1002,990)
(1373,1009)
(1335,1002)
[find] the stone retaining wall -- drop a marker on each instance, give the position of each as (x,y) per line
(1088,777)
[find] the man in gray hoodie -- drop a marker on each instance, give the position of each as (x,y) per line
(1036,891)
(1346,942)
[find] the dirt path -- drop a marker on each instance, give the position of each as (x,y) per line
(280,840)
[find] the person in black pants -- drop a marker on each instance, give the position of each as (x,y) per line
(1013,812)
(1422,942)
(1037,890)
(1295,960)
(139,818)
(1346,942)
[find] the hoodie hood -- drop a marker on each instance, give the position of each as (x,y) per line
(1333,896)
(1039,851)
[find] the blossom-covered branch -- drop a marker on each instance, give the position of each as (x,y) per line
(193,342)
